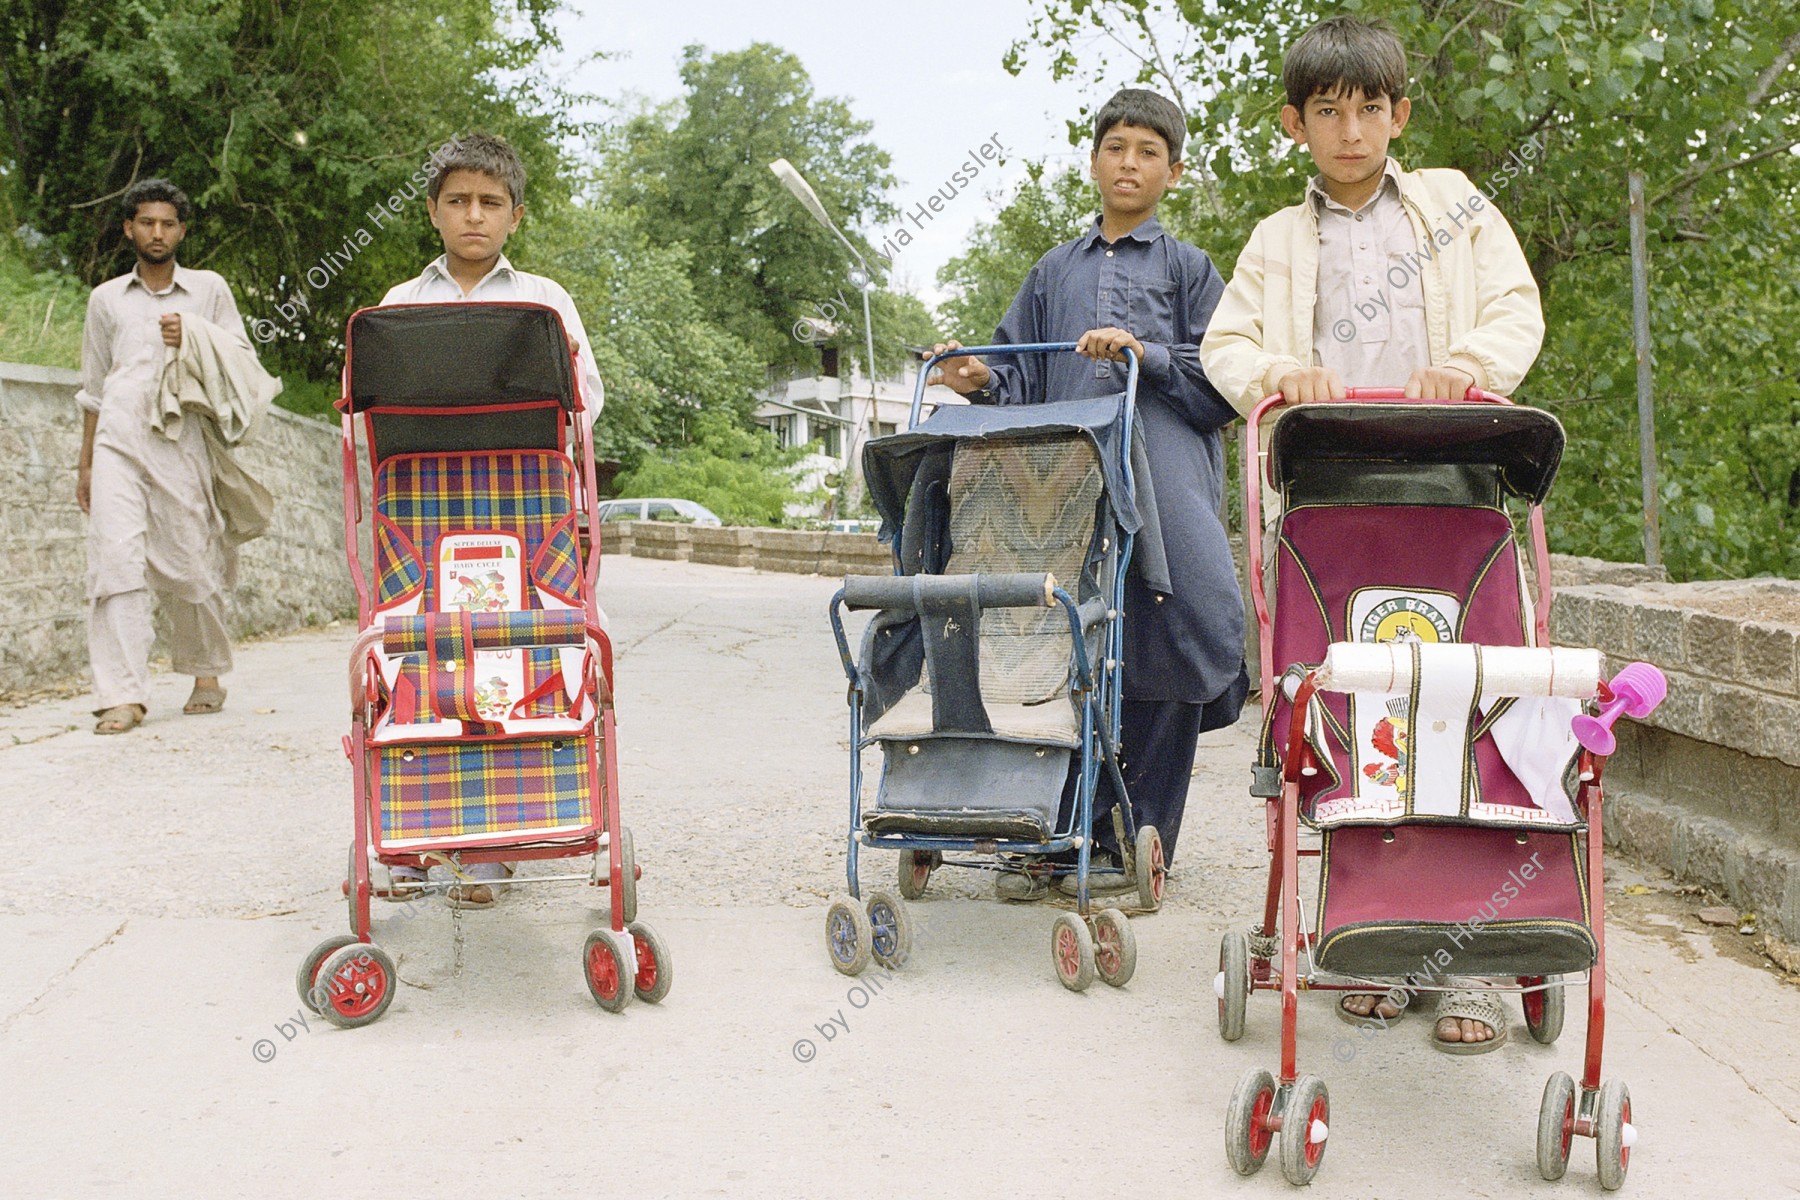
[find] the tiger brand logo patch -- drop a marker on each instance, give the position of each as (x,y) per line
(1405,619)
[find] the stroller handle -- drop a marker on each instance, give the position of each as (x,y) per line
(918,404)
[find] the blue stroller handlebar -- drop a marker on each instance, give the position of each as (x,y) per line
(918,404)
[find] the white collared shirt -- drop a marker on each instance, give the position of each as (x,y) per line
(435,285)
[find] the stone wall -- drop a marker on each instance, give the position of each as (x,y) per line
(800,551)
(1709,786)
(294,576)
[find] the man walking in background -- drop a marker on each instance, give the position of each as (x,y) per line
(154,524)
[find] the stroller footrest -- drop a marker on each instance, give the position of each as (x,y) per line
(975,824)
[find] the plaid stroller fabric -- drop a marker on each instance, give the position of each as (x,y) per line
(421,498)
(460,789)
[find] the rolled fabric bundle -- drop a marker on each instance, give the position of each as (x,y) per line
(490,631)
(1387,667)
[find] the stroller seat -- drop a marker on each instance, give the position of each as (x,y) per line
(1009,506)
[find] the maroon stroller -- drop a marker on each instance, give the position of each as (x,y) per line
(1415,719)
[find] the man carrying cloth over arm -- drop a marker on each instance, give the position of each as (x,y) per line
(154,524)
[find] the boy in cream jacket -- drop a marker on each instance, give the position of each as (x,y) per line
(1379,277)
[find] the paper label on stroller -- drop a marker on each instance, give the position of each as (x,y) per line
(485,572)
(1380,723)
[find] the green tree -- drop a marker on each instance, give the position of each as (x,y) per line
(1546,105)
(1045,212)
(700,172)
(287,124)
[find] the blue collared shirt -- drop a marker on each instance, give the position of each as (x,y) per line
(1187,645)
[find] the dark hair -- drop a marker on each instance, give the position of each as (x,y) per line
(1345,54)
(155,191)
(1147,110)
(482,152)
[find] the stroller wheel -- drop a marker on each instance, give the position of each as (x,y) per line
(848,935)
(916,867)
(1233,984)
(1072,952)
(1556,1126)
(1614,1134)
(356,983)
(307,978)
(1247,1134)
(1305,1123)
(604,966)
(1543,1010)
(1152,872)
(655,970)
(890,930)
(1115,948)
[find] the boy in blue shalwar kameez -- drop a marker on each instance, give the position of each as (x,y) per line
(1125,283)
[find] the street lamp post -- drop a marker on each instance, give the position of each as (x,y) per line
(864,279)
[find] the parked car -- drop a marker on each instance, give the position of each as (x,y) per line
(658,508)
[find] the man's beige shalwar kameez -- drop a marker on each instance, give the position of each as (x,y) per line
(153,523)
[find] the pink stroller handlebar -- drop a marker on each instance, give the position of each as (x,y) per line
(1636,691)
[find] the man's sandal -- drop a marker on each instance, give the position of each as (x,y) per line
(120,718)
(1479,1006)
(204,700)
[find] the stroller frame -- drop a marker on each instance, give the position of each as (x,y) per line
(1083,943)
(1293,1108)
(348,979)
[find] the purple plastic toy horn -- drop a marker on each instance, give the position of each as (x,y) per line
(1636,691)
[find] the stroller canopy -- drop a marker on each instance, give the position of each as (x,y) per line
(891,464)
(448,378)
(1416,453)
(456,355)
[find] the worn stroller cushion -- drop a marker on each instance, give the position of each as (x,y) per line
(1053,723)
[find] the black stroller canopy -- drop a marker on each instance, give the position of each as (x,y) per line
(891,463)
(452,355)
(1524,446)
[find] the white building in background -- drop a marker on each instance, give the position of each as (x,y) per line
(820,404)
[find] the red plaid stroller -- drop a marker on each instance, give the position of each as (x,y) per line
(481,681)
(1415,718)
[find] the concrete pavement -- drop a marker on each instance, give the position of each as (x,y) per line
(169,881)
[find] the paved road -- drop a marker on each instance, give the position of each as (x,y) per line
(168,882)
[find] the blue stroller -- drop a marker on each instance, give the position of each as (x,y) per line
(990,674)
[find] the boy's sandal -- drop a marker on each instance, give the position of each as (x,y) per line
(1381,998)
(120,718)
(1470,1006)
(204,700)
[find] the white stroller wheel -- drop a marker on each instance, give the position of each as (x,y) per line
(655,969)
(1613,1134)
(1115,948)
(849,938)
(609,977)
(1152,873)
(1305,1123)
(890,930)
(1233,984)
(1072,952)
(1556,1126)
